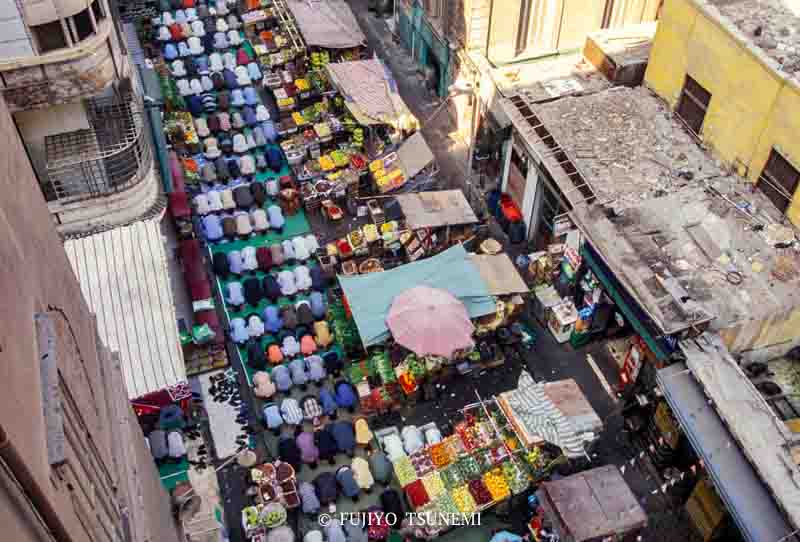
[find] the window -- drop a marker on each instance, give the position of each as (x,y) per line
(83,25)
(523,26)
(779,180)
(693,104)
(97,8)
(49,37)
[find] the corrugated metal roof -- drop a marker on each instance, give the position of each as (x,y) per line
(744,494)
(123,276)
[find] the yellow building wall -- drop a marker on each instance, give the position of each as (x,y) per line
(752,108)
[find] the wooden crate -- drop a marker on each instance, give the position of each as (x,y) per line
(706,510)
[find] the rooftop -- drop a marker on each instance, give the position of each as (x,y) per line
(125,280)
(549,78)
(666,218)
(764,438)
(771,25)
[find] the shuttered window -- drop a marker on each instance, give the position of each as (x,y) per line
(779,180)
(693,104)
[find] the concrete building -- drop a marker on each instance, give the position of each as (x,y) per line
(74,464)
(67,80)
(438,32)
(693,259)
(731,70)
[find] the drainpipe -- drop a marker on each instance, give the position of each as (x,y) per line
(31,488)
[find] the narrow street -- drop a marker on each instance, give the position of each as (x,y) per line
(549,360)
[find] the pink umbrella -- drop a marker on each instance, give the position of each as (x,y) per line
(430,321)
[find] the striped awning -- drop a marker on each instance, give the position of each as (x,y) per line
(538,415)
(125,281)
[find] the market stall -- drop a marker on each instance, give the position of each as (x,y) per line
(596,504)
(477,467)
(557,413)
(435,219)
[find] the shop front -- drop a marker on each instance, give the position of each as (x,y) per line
(533,193)
(427,48)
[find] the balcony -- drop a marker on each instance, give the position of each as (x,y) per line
(103,175)
(65,75)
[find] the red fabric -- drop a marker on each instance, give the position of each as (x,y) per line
(510,209)
(199,290)
(176,169)
(264,258)
(241,57)
(417,495)
(188,4)
(179,205)
(192,263)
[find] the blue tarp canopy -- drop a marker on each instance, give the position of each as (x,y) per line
(370,296)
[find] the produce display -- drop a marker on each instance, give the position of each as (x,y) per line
(469,467)
(496,482)
(417,495)
(452,477)
(422,463)
(440,455)
(463,500)
(480,492)
(405,471)
(433,484)
(516,479)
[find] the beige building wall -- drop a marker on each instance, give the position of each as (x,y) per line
(70,466)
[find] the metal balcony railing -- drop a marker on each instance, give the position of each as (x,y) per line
(111,156)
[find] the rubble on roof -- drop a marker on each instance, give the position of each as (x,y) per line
(627,144)
(544,79)
(772,25)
